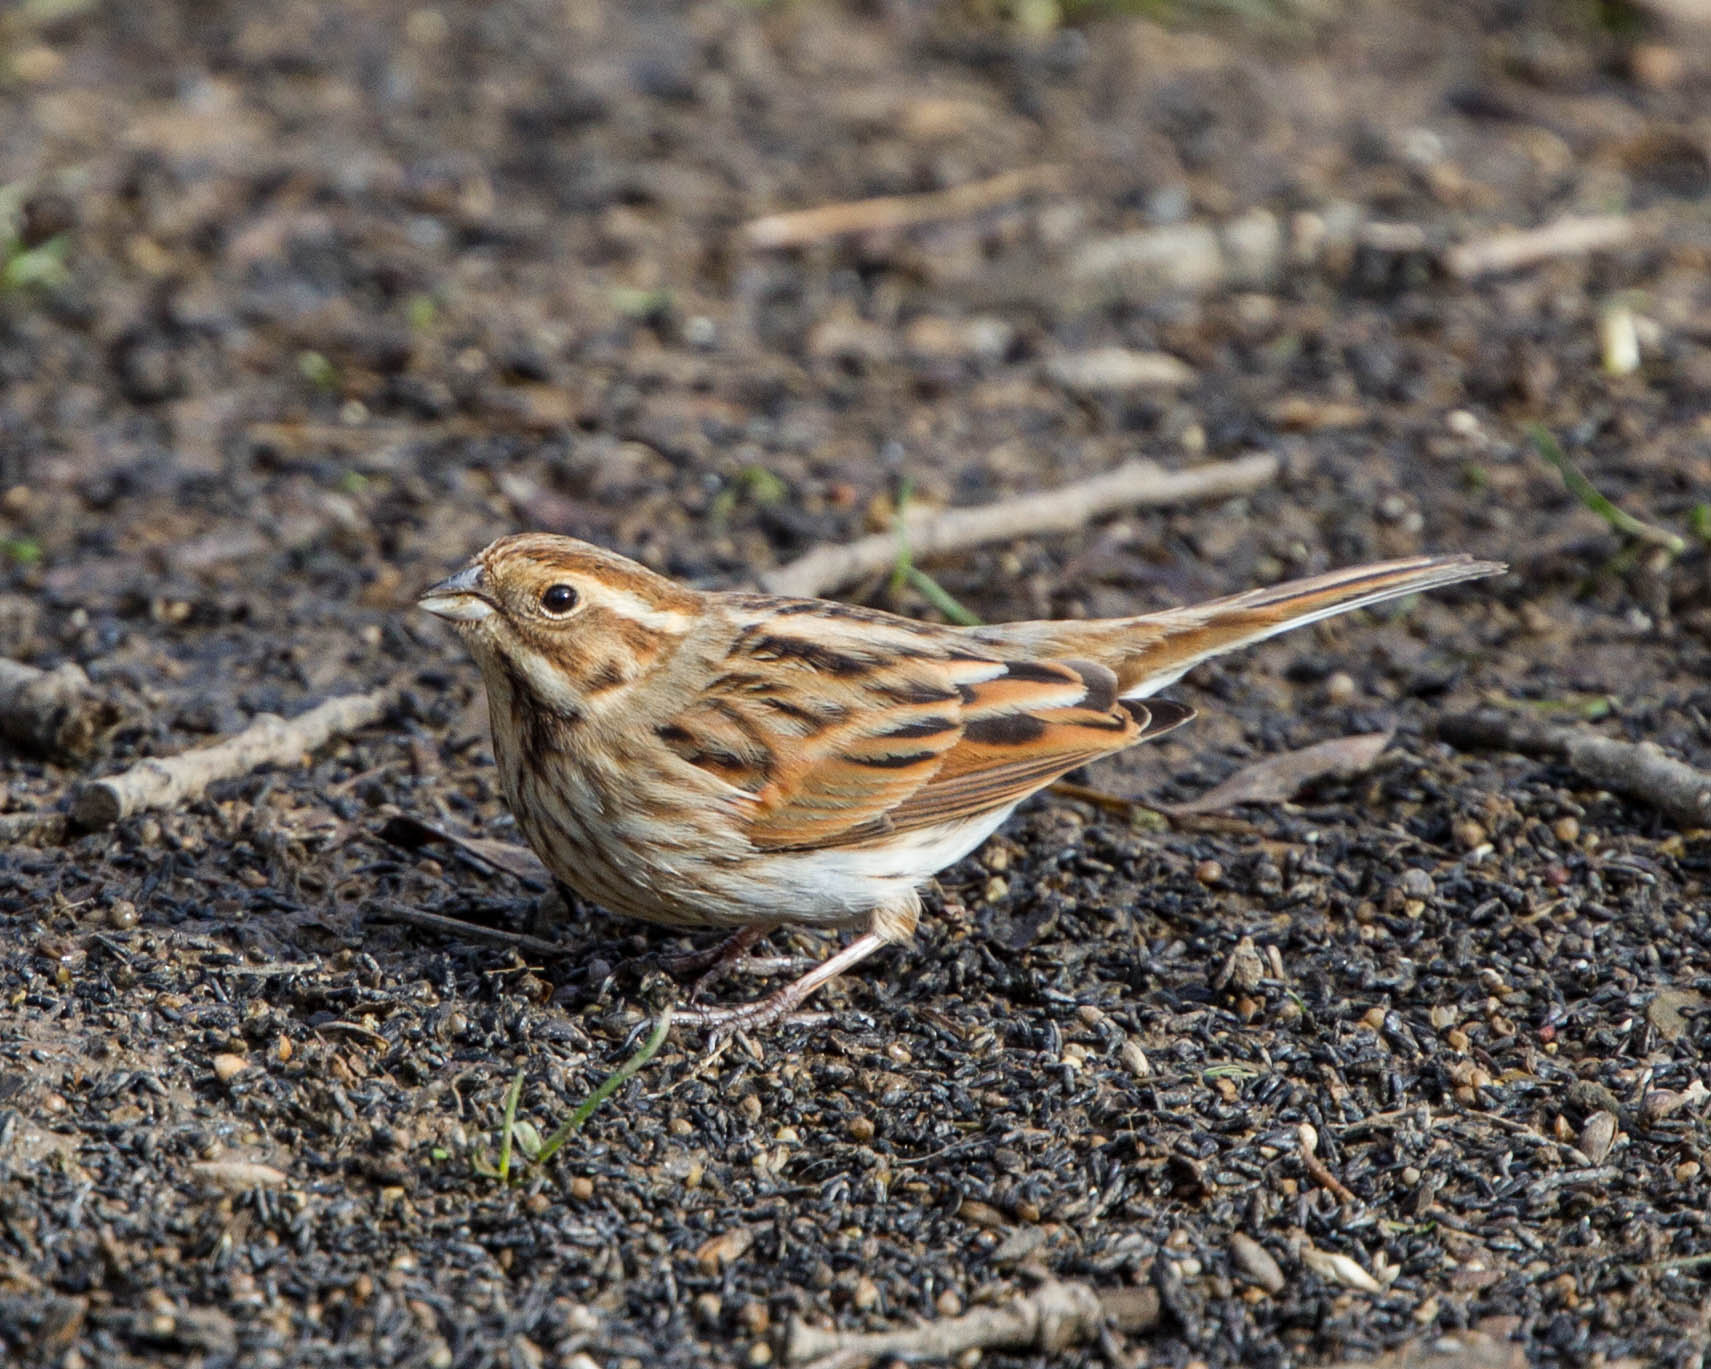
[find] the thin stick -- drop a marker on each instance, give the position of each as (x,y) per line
(891,212)
(1138,484)
(1052,1318)
(1574,235)
(470,931)
(1641,770)
(161,782)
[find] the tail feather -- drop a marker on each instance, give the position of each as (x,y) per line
(1153,650)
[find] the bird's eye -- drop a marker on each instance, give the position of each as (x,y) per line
(558,599)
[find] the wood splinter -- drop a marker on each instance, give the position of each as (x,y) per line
(1052,1318)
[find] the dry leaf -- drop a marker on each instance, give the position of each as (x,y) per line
(1278,778)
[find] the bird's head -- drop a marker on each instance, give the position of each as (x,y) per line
(562,620)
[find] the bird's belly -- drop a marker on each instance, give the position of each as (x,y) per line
(677,873)
(839,885)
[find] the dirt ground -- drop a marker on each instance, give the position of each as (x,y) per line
(302,303)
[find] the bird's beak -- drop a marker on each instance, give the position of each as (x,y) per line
(459,598)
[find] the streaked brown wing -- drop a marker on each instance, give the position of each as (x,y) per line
(1001,768)
(846,728)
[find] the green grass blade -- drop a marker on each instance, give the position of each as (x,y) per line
(608,1086)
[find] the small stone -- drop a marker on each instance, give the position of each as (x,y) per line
(1209,872)
(1659,1103)
(755,1318)
(122,915)
(1418,884)
(582,1188)
(1468,834)
(1566,830)
(948,1303)
(866,1295)
(861,1129)
(1256,1262)
(228,1067)
(1340,688)
(1597,1136)
(1119,370)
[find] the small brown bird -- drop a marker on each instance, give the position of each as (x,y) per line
(715,759)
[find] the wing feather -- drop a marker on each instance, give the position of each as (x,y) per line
(842,735)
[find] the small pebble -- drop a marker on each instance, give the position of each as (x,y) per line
(122,914)
(1209,872)
(228,1067)
(1566,830)
(861,1129)
(582,1188)
(1255,1261)
(1597,1136)
(1417,884)
(1340,688)
(1468,834)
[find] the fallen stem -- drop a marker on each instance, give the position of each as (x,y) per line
(1573,235)
(469,931)
(893,212)
(55,713)
(1640,770)
(1137,484)
(1052,1318)
(161,782)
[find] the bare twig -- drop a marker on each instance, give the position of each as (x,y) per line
(1052,1318)
(891,212)
(1641,770)
(519,862)
(32,825)
(1574,235)
(1137,484)
(55,713)
(269,740)
(470,931)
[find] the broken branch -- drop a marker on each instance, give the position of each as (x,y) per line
(892,212)
(1640,770)
(1574,235)
(1052,1318)
(159,782)
(54,713)
(470,931)
(1137,484)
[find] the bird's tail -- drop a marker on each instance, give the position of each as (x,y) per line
(1153,650)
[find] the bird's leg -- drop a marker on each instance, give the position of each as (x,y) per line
(711,962)
(765,1011)
(887,924)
